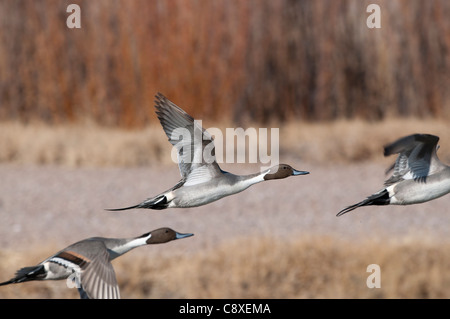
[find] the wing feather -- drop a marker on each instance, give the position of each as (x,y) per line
(194,138)
(417,158)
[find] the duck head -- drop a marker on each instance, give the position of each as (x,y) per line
(164,235)
(282,171)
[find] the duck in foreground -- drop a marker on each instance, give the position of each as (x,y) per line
(202,180)
(87,263)
(418,174)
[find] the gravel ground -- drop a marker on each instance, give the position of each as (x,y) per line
(49,205)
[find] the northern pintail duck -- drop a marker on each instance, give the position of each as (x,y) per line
(202,179)
(418,174)
(88,263)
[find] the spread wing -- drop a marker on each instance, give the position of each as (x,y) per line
(417,158)
(97,276)
(195,146)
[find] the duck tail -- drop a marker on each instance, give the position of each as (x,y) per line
(380,198)
(27,274)
(159,202)
(123,208)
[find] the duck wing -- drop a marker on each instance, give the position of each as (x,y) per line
(194,145)
(417,158)
(96,274)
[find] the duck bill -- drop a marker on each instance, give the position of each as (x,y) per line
(180,236)
(295,172)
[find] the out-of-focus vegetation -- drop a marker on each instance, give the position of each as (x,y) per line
(77,145)
(239,60)
(314,267)
(337,90)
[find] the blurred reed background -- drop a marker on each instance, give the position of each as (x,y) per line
(85,97)
(239,60)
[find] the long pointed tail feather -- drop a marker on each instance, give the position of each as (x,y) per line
(123,208)
(26,274)
(11,281)
(158,203)
(380,198)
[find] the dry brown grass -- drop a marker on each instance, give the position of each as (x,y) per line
(302,267)
(242,60)
(356,140)
(80,145)
(92,145)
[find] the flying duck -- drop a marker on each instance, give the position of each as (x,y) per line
(202,180)
(418,174)
(87,263)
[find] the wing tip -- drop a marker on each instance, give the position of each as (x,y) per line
(408,141)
